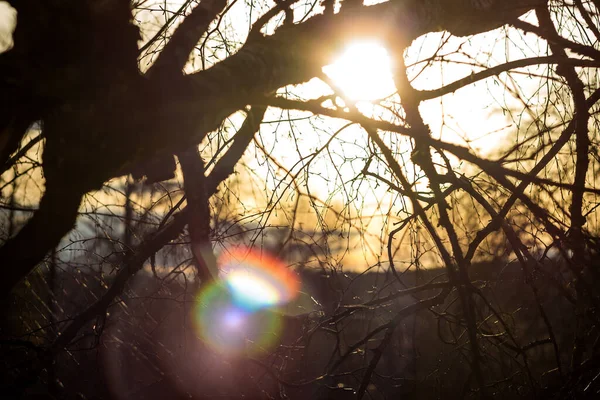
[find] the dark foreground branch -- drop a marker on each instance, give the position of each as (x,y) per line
(50,223)
(170,231)
(198,211)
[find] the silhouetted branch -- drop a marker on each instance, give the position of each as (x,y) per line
(155,241)
(554,38)
(167,71)
(198,213)
(582,142)
(499,69)
(13,133)
(315,107)
(175,54)
(50,223)
(130,266)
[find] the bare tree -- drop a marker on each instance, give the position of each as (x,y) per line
(476,266)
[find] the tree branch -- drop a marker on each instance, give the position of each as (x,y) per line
(154,242)
(50,223)
(20,153)
(198,212)
(174,56)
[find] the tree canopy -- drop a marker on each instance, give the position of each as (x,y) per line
(481,159)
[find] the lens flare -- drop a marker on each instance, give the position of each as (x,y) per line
(257,280)
(232,316)
(250,291)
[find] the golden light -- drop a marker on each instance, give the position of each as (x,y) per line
(363,71)
(8,22)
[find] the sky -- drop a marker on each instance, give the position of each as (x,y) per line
(8,19)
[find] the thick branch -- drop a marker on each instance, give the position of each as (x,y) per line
(173,57)
(170,231)
(582,142)
(175,119)
(296,54)
(422,157)
(198,213)
(50,223)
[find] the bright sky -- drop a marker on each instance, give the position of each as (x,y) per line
(363,71)
(471,116)
(8,19)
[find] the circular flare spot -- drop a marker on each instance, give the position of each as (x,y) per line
(232,315)
(257,280)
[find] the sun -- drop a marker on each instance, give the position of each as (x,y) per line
(363,71)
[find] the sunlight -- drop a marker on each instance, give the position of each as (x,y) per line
(363,71)
(8,22)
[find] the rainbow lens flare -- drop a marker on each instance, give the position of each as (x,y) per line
(232,316)
(257,280)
